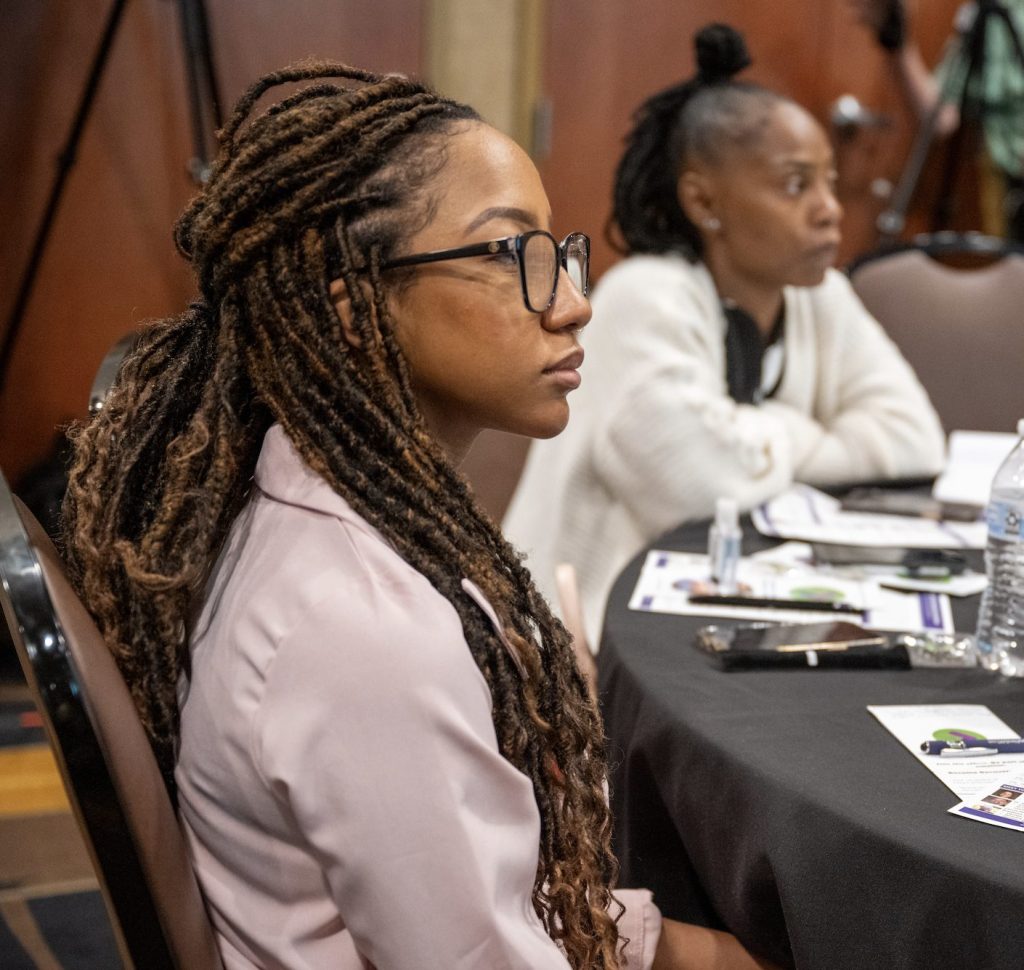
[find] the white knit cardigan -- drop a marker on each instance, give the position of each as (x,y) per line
(654,437)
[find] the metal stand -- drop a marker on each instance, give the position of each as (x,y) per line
(204,105)
(966,60)
(203,90)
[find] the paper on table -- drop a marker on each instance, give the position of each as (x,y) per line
(913,723)
(974,457)
(999,803)
(667,577)
(802,512)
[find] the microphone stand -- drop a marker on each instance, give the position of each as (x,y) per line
(967,61)
(205,112)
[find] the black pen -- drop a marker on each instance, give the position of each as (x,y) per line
(770,603)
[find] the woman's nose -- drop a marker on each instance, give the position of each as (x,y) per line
(830,209)
(570,308)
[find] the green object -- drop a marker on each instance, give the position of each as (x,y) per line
(827,594)
(997,88)
(956,734)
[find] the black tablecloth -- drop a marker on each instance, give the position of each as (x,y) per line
(774,804)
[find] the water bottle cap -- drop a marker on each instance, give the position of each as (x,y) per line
(727,513)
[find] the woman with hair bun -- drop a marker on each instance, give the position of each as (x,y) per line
(726,357)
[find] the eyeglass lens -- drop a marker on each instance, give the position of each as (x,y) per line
(540,264)
(540,257)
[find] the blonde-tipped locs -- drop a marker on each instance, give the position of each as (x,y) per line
(322,187)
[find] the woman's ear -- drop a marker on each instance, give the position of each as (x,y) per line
(696,198)
(343,307)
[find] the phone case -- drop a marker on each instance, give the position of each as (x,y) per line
(893,657)
(831,645)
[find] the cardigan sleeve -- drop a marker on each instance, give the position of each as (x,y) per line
(669,440)
(375,734)
(879,422)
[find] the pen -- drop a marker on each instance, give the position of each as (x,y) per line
(966,752)
(772,603)
(974,746)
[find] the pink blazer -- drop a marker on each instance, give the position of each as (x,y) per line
(340,783)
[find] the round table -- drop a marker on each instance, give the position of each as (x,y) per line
(774,804)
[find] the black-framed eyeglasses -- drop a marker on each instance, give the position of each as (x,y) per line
(539,255)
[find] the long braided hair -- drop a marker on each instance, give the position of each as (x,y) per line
(687,121)
(321,187)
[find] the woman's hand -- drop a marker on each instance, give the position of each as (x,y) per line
(871,13)
(683,946)
(887,20)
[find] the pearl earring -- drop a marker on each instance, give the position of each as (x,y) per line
(712,224)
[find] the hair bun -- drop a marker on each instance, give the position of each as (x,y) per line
(721,53)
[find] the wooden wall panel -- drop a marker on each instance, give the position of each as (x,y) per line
(111,262)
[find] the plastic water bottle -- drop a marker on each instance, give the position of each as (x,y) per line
(724,545)
(1000,635)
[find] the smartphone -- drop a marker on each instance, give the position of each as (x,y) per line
(783,637)
(917,562)
(888,501)
(832,644)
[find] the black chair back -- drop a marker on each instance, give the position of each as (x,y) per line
(109,367)
(107,766)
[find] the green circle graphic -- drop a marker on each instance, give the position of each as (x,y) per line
(825,593)
(957,734)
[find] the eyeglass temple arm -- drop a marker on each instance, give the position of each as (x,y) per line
(477,249)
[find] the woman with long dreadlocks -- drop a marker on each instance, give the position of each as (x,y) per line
(728,359)
(383,752)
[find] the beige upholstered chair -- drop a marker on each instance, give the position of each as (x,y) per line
(962,330)
(572,616)
(111,777)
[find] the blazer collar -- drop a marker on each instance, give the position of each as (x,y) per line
(282,474)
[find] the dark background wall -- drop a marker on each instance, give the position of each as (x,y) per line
(111,263)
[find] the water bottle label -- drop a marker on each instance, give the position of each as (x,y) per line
(1004,521)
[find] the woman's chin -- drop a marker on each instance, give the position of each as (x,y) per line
(546,424)
(812,276)
(815,271)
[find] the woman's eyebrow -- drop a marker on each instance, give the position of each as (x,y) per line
(524,218)
(804,164)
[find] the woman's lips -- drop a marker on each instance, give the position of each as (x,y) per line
(826,251)
(566,371)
